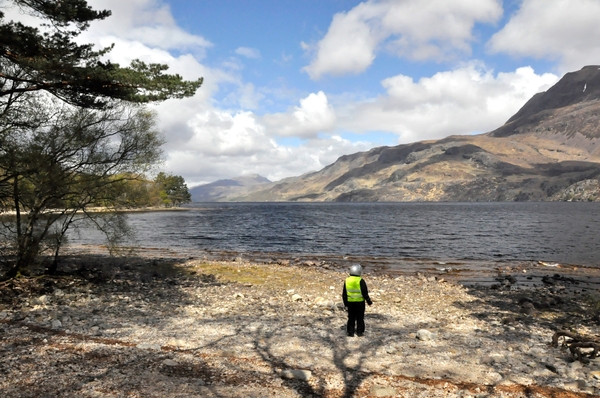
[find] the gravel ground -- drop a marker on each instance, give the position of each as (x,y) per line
(152,326)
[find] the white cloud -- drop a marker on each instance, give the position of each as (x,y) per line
(314,115)
(248,52)
(466,100)
(225,145)
(564,30)
(206,141)
(408,29)
(145,21)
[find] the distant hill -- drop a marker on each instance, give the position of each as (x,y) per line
(549,150)
(222,189)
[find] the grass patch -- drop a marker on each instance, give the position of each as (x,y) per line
(250,274)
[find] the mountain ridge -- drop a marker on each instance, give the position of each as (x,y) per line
(221,189)
(550,147)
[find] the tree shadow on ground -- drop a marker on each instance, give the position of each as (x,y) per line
(105,305)
(146,306)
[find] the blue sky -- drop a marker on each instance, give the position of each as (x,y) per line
(291,85)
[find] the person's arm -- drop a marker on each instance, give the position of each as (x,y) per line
(345,296)
(365,291)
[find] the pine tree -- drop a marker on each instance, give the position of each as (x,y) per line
(50,59)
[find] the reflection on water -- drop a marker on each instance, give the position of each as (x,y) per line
(561,232)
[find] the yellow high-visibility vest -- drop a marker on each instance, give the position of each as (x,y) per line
(353,289)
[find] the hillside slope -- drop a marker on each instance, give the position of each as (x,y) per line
(222,189)
(544,150)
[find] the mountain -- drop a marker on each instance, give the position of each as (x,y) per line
(222,189)
(549,150)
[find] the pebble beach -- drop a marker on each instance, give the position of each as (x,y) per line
(153,325)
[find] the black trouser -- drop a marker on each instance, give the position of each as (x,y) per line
(356,315)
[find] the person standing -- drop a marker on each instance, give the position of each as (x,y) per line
(355,294)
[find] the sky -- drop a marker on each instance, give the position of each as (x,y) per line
(292,85)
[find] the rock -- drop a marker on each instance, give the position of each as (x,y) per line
(170,362)
(238,295)
(425,335)
(40,300)
(380,391)
(487,360)
(551,367)
(579,385)
(543,373)
(595,374)
(528,308)
(56,324)
(576,365)
(4,315)
(296,297)
(322,302)
(296,374)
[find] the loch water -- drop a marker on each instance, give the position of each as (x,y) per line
(521,231)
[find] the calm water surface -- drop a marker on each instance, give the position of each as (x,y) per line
(548,231)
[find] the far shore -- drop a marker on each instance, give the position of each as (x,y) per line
(108,210)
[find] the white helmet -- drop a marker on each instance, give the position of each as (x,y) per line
(356,270)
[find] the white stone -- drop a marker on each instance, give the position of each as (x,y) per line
(40,300)
(170,362)
(543,373)
(595,374)
(322,302)
(380,391)
(56,324)
(296,297)
(425,335)
(576,365)
(297,374)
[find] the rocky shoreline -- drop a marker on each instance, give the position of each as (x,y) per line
(164,326)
